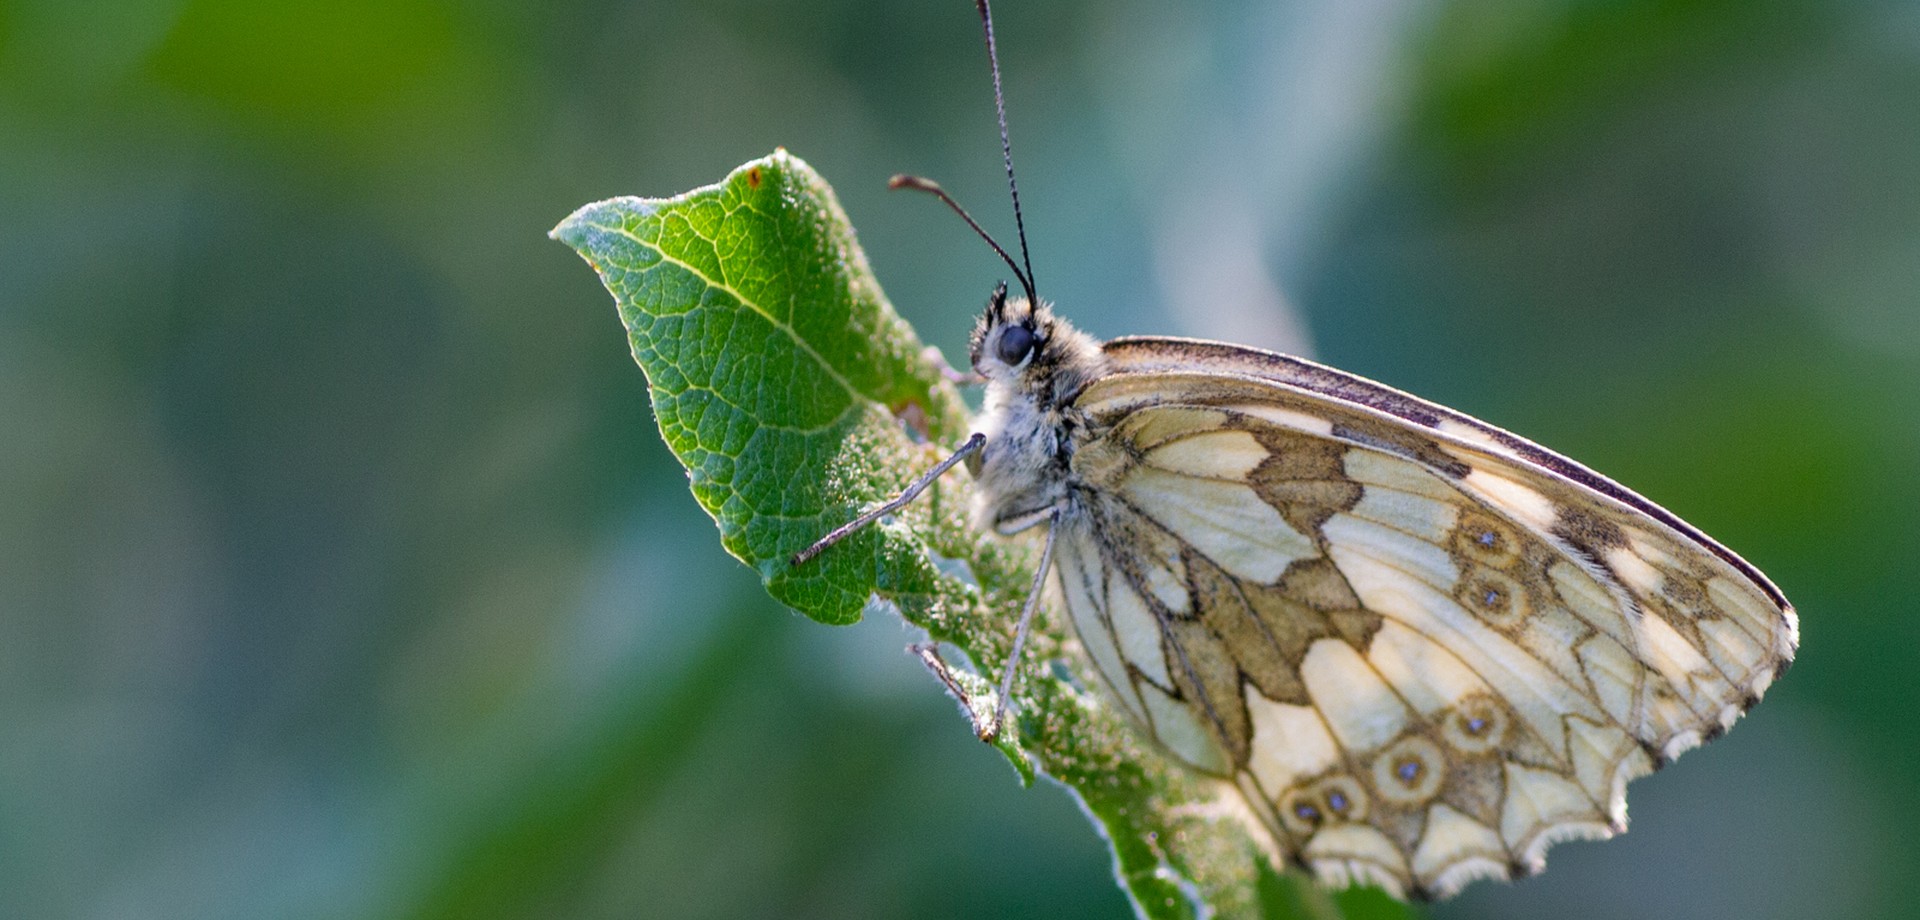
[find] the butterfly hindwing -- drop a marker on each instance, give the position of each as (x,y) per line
(1422,655)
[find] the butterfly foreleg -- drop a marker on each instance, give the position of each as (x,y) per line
(900,501)
(987,727)
(956,684)
(992,729)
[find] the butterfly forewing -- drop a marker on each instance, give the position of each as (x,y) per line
(1423,654)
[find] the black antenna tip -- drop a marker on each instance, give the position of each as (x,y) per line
(1006,144)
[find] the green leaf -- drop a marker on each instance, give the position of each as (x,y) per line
(776,367)
(795,396)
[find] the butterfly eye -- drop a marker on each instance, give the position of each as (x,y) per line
(1016,343)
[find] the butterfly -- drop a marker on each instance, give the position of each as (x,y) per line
(1422,648)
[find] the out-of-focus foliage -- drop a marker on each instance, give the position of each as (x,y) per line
(343,574)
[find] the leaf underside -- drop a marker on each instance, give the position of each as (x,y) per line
(794,395)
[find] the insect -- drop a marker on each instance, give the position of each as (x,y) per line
(1422,648)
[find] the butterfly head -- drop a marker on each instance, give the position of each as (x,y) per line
(1022,346)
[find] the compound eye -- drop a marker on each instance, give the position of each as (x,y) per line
(1016,343)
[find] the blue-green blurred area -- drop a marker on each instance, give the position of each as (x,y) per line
(343,573)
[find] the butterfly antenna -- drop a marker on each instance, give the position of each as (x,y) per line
(1006,146)
(922,184)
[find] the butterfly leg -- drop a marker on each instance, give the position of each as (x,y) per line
(929,655)
(901,501)
(992,729)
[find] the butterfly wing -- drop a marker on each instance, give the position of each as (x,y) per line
(1424,649)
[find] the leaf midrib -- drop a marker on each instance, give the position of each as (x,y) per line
(852,391)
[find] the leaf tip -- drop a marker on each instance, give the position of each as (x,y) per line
(571,229)
(592,224)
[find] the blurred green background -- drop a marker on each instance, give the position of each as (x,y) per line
(343,572)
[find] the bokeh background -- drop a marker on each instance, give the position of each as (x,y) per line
(343,573)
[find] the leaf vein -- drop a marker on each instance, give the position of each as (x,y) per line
(747,302)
